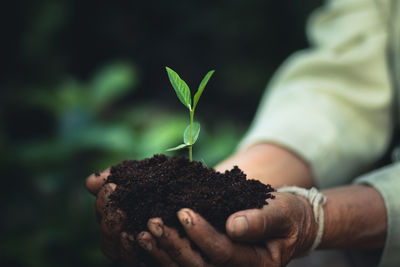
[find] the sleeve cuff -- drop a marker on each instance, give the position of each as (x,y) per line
(387,181)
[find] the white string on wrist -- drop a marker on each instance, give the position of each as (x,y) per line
(317,201)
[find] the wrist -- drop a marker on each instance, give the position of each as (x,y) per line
(271,164)
(348,220)
(309,230)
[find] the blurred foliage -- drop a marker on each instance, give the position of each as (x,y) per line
(84,88)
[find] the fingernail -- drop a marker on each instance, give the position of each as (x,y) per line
(155,229)
(185,218)
(239,226)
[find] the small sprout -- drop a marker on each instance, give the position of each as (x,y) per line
(182,90)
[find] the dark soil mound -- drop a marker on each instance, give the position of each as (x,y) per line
(160,186)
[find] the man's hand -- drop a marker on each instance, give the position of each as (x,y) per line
(119,245)
(115,244)
(270,236)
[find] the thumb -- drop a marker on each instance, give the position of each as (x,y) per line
(258,224)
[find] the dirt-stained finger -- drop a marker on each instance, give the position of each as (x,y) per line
(103,198)
(149,244)
(219,249)
(95,181)
(271,221)
(177,248)
(129,250)
(110,247)
(111,227)
(113,222)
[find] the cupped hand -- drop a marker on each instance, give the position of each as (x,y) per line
(115,243)
(271,236)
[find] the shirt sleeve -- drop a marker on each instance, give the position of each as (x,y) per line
(331,104)
(387,182)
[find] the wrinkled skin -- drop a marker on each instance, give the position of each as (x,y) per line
(115,244)
(282,230)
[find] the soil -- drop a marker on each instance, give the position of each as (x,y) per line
(161,185)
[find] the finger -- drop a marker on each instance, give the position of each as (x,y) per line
(103,198)
(111,227)
(109,247)
(95,181)
(216,246)
(279,252)
(149,244)
(128,249)
(113,222)
(179,249)
(254,225)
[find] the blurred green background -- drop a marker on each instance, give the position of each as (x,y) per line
(83,87)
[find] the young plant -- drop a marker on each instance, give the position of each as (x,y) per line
(182,90)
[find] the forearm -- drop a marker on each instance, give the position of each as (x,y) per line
(270,164)
(355,217)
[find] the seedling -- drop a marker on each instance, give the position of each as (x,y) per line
(182,90)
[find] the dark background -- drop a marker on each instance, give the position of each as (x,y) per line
(83,87)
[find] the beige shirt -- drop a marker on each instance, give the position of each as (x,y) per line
(333,104)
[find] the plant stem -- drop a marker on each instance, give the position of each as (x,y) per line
(191,134)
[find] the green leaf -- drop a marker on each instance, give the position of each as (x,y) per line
(178,147)
(201,87)
(110,83)
(195,134)
(180,87)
